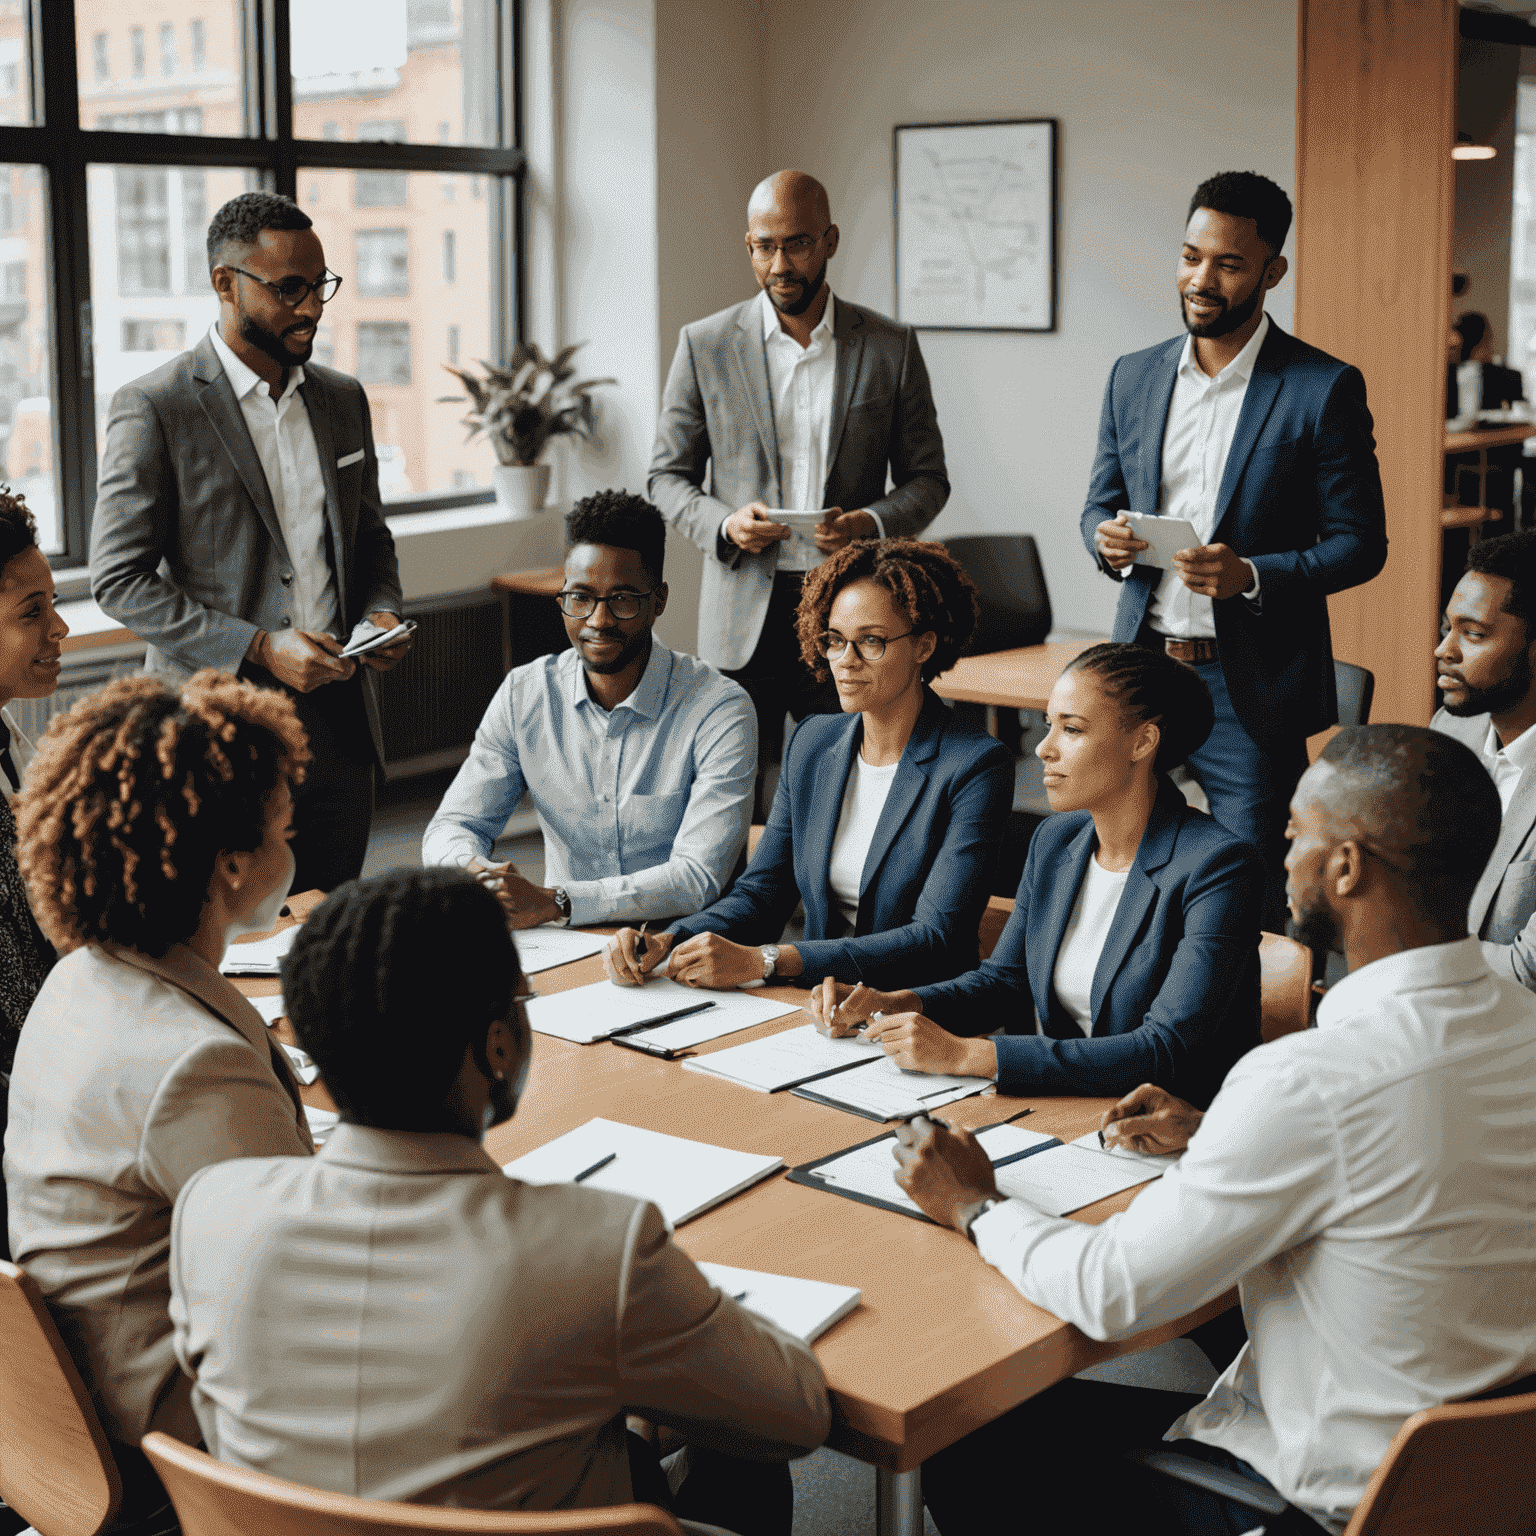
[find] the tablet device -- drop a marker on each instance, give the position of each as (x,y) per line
(1166,536)
(369,637)
(803,521)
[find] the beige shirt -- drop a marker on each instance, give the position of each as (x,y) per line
(397,1319)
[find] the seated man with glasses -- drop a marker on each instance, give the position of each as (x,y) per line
(639,760)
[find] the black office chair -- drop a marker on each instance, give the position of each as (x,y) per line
(1355,687)
(1010,582)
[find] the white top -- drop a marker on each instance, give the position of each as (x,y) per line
(863,800)
(285,444)
(1506,764)
(800,380)
(22,753)
(1372,1183)
(1093,915)
(1202,418)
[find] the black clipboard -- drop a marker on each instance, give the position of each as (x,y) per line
(807,1090)
(805,1173)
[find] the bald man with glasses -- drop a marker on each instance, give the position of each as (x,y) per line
(639,761)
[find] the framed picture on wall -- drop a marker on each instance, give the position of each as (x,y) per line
(976,225)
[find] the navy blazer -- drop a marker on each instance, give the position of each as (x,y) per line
(1175,995)
(928,871)
(1300,497)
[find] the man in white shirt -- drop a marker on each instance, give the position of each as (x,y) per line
(1264,445)
(1369,1185)
(795,401)
(1487,666)
(238,522)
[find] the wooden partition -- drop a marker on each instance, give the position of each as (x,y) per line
(1375,121)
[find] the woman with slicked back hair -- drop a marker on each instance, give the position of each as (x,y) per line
(152,828)
(1132,953)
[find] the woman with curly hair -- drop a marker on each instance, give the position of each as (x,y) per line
(887,818)
(152,829)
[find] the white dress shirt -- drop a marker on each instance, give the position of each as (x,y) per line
(864,798)
(1506,764)
(22,752)
(1202,418)
(285,444)
(1372,1185)
(1093,915)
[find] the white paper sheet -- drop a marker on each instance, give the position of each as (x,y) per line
(1065,1179)
(585,1014)
(883,1090)
(786,1060)
(270,1008)
(805,1308)
(259,957)
(684,1178)
(303,1067)
(789,518)
(543,948)
(1167,536)
(1155,1165)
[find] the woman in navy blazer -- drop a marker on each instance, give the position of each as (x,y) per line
(1173,989)
(889,615)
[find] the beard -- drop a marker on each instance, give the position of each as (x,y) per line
(637,647)
(1498,697)
(810,287)
(1315,927)
(1231,318)
(272,343)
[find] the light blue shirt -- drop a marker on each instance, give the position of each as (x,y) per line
(644,808)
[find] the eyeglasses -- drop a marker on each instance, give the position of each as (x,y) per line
(871,647)
(294,290)
(794,248)
(621,605)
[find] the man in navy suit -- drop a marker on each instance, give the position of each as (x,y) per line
(1265,445)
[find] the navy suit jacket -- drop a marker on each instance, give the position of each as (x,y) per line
(926,877)
(1175,995)
(1300,497)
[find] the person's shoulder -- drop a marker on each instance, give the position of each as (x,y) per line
(872,322)
(816,734)
(1301,358)
(239,1187)
(1201,839)
(967,745)
(695,681)
(720,324)
(333,379)
(1129,366)
(174,381)
(1056,831)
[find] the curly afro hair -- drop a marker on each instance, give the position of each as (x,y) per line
(133,795)
(924,580)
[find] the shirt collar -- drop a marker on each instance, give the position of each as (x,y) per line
(366,1146)
(1241,366)
(1411,970)
(243,379)
(649,692)
(1521,752)
(772,327)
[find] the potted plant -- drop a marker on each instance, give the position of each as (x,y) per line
(519,408)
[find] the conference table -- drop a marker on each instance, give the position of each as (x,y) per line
(941,1343)
(1017,679)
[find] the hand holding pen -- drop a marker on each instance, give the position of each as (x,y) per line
(633,954)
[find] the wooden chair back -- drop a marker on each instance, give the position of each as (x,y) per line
(56,1468)
(214,1500)
(1460,1467)
(1285,985)
(754,837)
(993,921)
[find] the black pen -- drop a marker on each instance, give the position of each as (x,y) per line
(586,1173)
(661,1018)
(640,940)
(1019,1116)
(660,1052)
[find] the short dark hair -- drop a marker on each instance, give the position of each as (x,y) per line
(387,983)
(1247,195)
(18,531)
(1427,801)
(1471,327)
(926,581)
(1150,685)
(1512,556)
(241,220)
(623,521)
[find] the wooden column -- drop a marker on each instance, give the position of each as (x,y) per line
(1375,121)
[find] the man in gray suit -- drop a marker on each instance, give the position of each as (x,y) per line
(238,522)
(1487,665)
(794,400)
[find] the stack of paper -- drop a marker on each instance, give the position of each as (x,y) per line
(880,1090)
(1068,1178)
(259,957)
(786,1060)
(683,1178)
(585,1014)
(543,948)
(805,1308)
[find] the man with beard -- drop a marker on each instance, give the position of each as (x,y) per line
(639,761)
(1488,685)
(396,1319)
(238,522)
(1264,444)
(790,400)
(1369,1186)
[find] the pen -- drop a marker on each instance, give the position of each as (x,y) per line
(1019,1116)
(640,940)
(741,1295)
(661,1018)
(660,1052)
(586,1173)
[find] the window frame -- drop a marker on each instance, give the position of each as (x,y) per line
(63,150)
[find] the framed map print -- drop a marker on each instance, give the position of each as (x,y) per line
(976,225)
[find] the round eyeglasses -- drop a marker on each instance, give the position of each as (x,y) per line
(621,605)
(294,290)
(870,647)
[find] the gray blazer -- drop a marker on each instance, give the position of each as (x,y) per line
(397,1319)
(1503,910)
(717,411)
(186,547)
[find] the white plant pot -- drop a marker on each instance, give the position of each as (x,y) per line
(521,488)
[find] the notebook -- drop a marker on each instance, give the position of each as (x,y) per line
(805,1308)
(786,1060)
(880,1090)
(683,1178)
(585,1014)
(543,948)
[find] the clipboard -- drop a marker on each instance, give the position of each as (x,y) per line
(805,1173)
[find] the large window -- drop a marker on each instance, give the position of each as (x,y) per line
(394,128)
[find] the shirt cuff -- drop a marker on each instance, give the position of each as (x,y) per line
(879,522)
(996,1234)
(1252,595)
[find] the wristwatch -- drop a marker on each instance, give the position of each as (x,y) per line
(770,953)
(981,1210)
(563,901)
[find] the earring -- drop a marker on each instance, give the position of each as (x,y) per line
(501,1076)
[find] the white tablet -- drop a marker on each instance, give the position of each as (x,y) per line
(804,521)
(1166,536)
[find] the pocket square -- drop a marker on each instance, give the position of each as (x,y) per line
(351,458)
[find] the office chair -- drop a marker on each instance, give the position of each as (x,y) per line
(1355,687)
(1010,586)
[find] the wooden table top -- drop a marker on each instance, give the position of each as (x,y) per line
(1476,438)
(1020,679)
(540,583)
(941,1344)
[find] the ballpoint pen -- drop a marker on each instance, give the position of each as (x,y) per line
(586,1173)
(640,940)
(661,1018)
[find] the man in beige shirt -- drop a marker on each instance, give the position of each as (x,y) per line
(397,1319)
